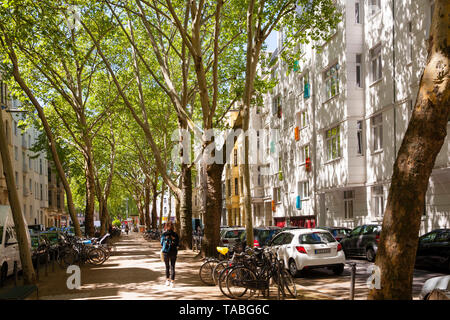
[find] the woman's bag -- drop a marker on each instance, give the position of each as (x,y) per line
(162,255)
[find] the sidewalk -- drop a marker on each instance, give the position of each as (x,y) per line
(135,271)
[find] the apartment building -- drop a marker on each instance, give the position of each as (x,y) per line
(40,195)
(337,118)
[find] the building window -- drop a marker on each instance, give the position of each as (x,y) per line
(277,108)
(410,42)
(378,200)
(235,158)
(375,60)
(357,12)
(40,166)
(333,143)
(304,118)
(277,194)
(305,153)
(359,136)
(229,187)
(41,193)
(236,186)
(16,153)
(17,179)
(331,77)
(305,189)
(348,204)
(374,6)
(15,127)
(50,198)
(377,132)
(358,71)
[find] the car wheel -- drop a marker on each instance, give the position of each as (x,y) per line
(338,270)
(293,268)
(370,255)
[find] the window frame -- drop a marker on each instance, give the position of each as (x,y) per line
(376,63)
(376,124)
(331,140)
(378,201)
(331,79)
(349,196)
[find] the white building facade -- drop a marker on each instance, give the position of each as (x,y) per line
(337,113)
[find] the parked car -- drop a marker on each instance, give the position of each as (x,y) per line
(261,235)
(302,249)
(291,228)
(229,236)
(338,233)
(442,283)
(9,247)
(433,250)
(362,241)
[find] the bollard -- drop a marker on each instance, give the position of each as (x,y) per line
(15,273)
(352,281)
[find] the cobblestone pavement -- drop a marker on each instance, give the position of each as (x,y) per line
(135,271)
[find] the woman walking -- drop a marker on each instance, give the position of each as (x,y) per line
(169,242)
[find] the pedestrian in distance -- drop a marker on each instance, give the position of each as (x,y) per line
(169,243)
(127,229)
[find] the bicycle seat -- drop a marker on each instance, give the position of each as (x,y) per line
(222,250)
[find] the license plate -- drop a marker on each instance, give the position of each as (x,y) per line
(319,251)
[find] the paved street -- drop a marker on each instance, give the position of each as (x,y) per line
(136,272)
(338,287)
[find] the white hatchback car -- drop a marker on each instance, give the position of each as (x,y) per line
(302,249)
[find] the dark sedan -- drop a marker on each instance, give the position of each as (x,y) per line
(362,241)
(338,233)
(433,250)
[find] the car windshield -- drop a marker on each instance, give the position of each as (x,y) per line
(316,237)
(233,233)
(263,235)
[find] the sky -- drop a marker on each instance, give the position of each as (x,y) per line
(272,41)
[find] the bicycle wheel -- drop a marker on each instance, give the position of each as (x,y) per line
(206,271)
(67,257)
(240,282)
(222,281)
(96,256)
(217,270)
(288,283)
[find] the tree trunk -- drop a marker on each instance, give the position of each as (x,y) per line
(177,214)
(186,208)
(161,204)
(90,197)
(421,144)
(212,208)
(147,206)
(154,201)
(19,221)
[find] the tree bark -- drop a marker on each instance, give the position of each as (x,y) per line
(19,222)
(186,208)
(147,205)
(421,144)
(154,201)
(90,197)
